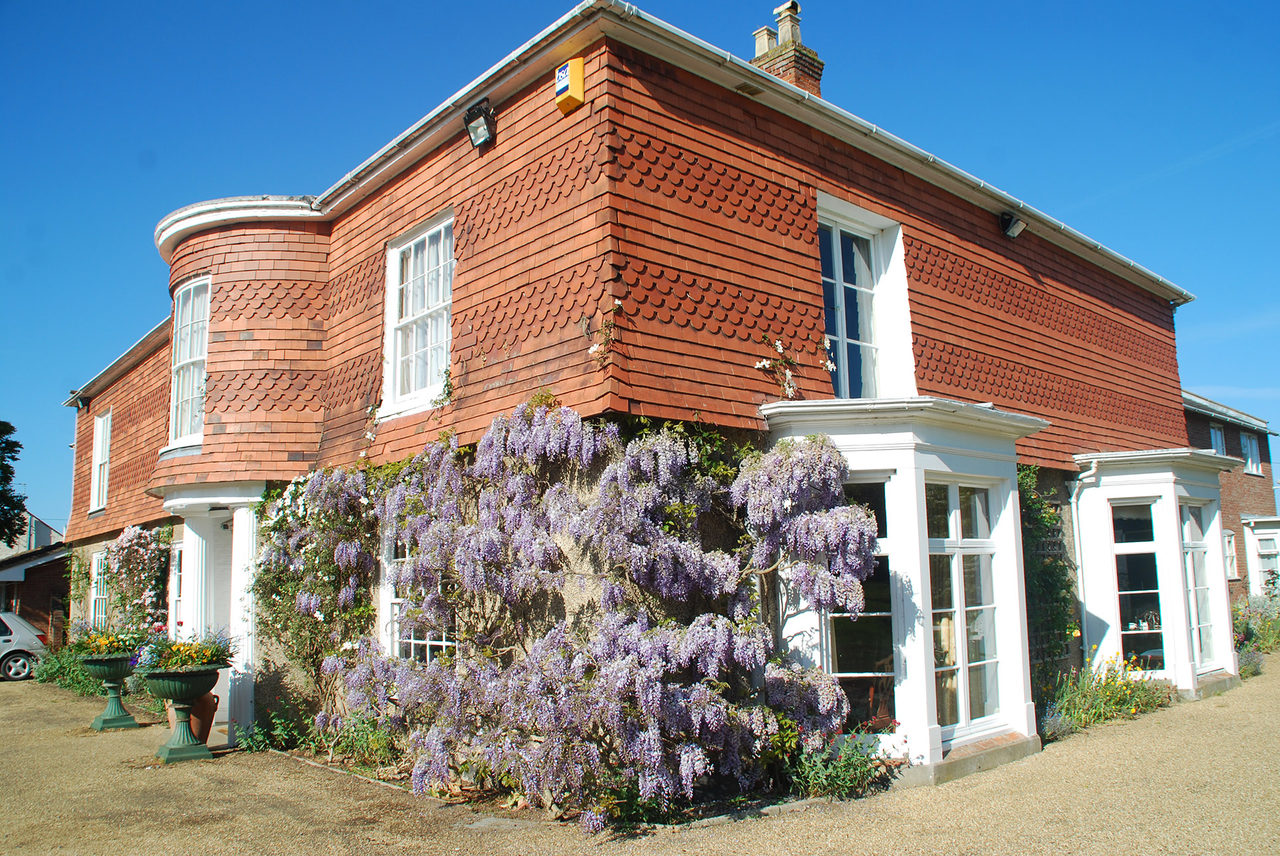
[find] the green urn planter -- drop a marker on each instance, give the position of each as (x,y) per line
(111,670)
(184,689)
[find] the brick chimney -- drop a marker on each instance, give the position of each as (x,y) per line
(781,54)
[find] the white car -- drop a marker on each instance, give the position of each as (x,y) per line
(21,645)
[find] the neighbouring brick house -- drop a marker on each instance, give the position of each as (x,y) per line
(1250,526)
(33,577)
(686,237)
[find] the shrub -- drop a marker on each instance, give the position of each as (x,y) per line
(1086,696)
(846,771)
(1250,664)
(1257,624)
(63,668)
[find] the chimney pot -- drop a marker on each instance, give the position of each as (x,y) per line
(788,15)
(766,40)
(781,54)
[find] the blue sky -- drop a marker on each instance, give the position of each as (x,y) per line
(1153,127)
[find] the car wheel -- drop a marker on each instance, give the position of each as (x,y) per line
(16,667)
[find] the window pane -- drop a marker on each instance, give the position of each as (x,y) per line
(940,581)
(984,698)
(948,698)
(829,309)
(937,506)
(1205,635)
(852,327)
(1132,523)
(1146,648)
(978,587)
(872,496)
(974,521)
(853,368)
(1136,572)
(862,645)
(871,702)
(980,626)
(825,254)
(944,639)
(1140,612)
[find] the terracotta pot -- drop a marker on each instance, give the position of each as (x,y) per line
(202,712)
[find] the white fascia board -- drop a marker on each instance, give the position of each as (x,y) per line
(198,499)
(234,209)
(1218,410)
(626,23)
(1162,459)
(121,364)
(944,412)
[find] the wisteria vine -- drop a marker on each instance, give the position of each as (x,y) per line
(606,600)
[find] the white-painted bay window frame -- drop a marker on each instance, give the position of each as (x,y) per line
(418,302)
(101,464)
(188,368)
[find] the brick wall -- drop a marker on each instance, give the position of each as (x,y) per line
(139,405)
(532,255)
(717,218)
(1242,493)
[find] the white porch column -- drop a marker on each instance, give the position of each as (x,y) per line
(194,595)
(244,549)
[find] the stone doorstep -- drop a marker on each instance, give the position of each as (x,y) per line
(970,758)
(1211,684)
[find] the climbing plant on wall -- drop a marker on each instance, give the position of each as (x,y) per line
(604,599)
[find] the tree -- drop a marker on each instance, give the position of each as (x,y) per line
(13,505)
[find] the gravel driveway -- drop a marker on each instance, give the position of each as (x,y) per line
(1196,778)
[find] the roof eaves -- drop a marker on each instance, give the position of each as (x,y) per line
(1208,407)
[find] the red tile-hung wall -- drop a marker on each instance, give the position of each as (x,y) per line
(532,252)
(716,208)
(139,406)
(266,366)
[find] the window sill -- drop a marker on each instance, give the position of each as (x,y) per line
(181,448)
(408,406)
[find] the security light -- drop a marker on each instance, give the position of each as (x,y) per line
(480,123)
(1012,225)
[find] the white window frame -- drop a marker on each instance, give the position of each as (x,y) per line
(1229,555)
(98,605)
(1195,560)
(956,546)
(411,383)
(893,374)
(101,468)
(412,641)
(1217,438)
(175,589)
(188,362)
(1251,453)
(828,638)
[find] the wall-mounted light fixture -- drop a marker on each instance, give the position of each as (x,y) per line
(480,123)
(1011,224)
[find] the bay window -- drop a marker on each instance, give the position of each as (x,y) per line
(190,339)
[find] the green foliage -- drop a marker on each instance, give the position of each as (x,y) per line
(1050,577)
(1257,624)
(362,741)
(287,727)
(622,804)
(63,668)
(13,505)
(846,771)
(79,576)
(1085,697)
